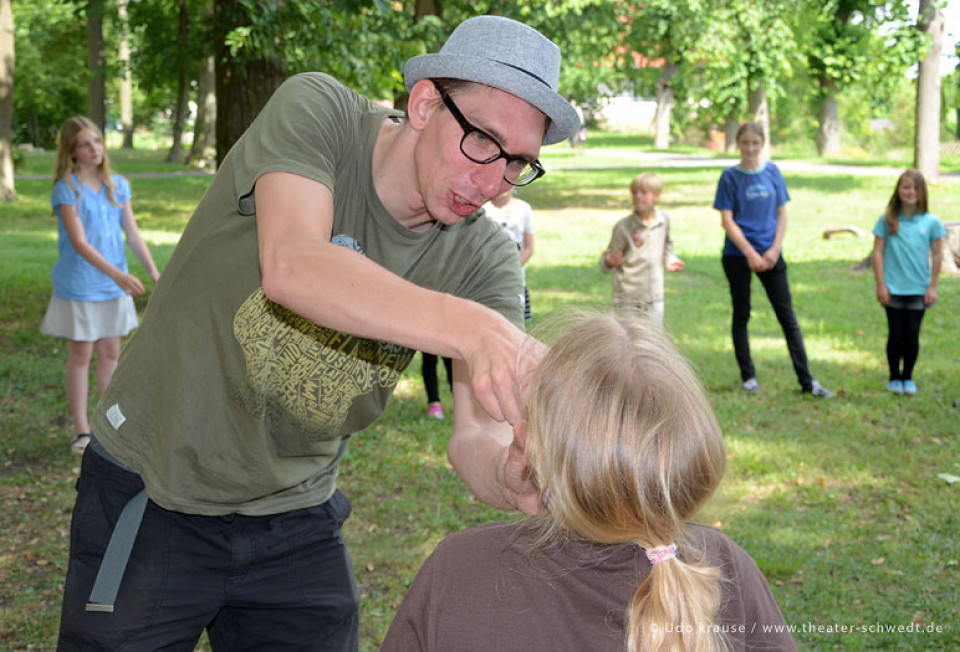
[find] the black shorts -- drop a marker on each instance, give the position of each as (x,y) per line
(277,582)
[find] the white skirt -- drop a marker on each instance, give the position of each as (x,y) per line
(89,321)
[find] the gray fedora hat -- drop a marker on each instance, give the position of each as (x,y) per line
(507,55)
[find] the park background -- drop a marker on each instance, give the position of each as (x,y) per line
(848,505)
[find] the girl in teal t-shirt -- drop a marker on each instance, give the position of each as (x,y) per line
(906,236)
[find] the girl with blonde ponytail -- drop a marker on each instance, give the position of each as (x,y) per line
(625,447)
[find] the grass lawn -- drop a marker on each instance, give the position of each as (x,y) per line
(841,502)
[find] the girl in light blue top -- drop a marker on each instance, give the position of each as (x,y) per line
(906,236)
(92,302)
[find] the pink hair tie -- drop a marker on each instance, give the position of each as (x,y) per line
(661,553)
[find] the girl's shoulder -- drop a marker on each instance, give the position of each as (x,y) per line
(769,170)
(121,188)
(772,168)
(523,205)
(731,175)
(64,191)
(67,181)
(935,225)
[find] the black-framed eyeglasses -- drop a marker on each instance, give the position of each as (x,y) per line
(480,147)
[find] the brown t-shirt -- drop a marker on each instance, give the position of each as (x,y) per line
(482,590)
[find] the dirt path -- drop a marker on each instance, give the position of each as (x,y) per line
(674,160)
(646,159)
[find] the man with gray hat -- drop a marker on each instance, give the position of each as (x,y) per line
(337,238)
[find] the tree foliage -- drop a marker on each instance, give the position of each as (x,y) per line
(157,55)
(366,50)
(706,56)
(51,78)
(745,46)
(859,42)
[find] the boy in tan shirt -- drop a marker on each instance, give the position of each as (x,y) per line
(639,250)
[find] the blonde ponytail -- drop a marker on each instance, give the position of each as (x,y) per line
(675,608)
(626,448)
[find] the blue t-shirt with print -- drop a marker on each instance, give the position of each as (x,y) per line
(73,277)
(906,254)
(754,197)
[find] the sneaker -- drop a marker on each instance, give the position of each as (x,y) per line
(909,387)
(819,390)
(750,385)
(895,386)
(435,411)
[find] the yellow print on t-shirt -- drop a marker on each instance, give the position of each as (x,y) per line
(310,372)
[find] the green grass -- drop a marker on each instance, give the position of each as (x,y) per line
(839,501)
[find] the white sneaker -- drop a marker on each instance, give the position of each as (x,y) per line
(819,390)
(750,385)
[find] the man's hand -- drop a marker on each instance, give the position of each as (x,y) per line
(499,362)
(521,490)
(489,455)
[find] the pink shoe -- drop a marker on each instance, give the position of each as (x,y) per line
(435,411)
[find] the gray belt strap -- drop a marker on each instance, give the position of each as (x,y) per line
(114,562)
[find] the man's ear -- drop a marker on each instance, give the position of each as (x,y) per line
(424,100)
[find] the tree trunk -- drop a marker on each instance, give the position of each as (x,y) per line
(242,87)
(204,147)
(421,9)
(828,138)
(96,99)
(7,188)
(926,152)
(661,118)
(760,110)
(428,8)
(730,126)
(126,82)
(175,155)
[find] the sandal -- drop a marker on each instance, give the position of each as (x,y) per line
(80,443)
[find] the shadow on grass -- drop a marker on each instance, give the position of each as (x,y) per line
(834,184)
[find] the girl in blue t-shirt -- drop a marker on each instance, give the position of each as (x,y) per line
(906,236)
(92,304)
(752,199)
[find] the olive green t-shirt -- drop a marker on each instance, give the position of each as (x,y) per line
(225,402)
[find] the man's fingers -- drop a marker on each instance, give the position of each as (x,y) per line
(487,397)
